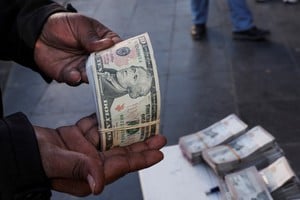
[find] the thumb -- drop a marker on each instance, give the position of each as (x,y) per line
(95,43)
(74,165)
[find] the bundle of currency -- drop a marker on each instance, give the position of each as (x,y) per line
(278,173)
(246,184)
(260,160)
(125,85)
(220,132)
(281,180)
(255,147)
(224,190)
(263,159)
(289,191)
(278,177)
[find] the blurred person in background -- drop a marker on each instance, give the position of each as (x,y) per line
(241,17)
(284,1)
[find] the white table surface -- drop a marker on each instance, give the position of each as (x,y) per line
(174,178)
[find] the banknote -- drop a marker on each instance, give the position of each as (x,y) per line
(247,184)
(278,173)
(125,84)
(220,132)
(255,147)
(288,191)
(224,191)
(241,147)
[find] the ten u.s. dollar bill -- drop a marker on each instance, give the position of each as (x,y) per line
(125,84)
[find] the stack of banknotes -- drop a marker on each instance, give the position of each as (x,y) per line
(249,162)
(277,181)
(246,184)
(289,191)
(220,132)
(257,147)
(281,180)
(125,85)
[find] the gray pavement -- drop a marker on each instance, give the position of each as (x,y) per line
(201,82)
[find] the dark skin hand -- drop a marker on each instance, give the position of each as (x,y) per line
(68,153)
(65,43)
(74,166)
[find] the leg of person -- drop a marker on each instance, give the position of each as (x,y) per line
(284,1)
(244,28)
(290,1)
(261,1)
(199,11)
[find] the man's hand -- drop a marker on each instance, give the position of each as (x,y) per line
(65,43)
(74,166)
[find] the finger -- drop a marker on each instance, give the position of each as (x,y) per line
(98,45)
(118,166)
(156,142)
(89,129)
(71,76)
(74,140)
(111,35)
(77,166)
(87,123)
(74,72)
(97,42)
(81,69)
(84,77)
(153,143)
(116,39)
(71,186)
(101,39)
(104,32)
(122,160)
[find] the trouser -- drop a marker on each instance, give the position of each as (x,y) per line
(241,16)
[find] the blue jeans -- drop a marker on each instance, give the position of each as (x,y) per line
(241,16)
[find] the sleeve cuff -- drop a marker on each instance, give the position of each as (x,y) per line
(32,18)
(31,179)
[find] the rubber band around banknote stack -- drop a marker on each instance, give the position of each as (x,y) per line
(142,125)
(234,153)
(201,139)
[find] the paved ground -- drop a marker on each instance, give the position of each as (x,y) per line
(201,82)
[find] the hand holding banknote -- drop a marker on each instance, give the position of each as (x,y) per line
(73,165)
(65,43)
(61,51)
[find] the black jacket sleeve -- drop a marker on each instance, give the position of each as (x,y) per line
(21,22)
(21,173)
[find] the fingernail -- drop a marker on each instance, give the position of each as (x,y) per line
(75,75)
(78,80)
(91,183)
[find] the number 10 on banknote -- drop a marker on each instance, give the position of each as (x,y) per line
(125,85)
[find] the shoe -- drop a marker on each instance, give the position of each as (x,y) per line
(253,33)
(198,31)
(290,1)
